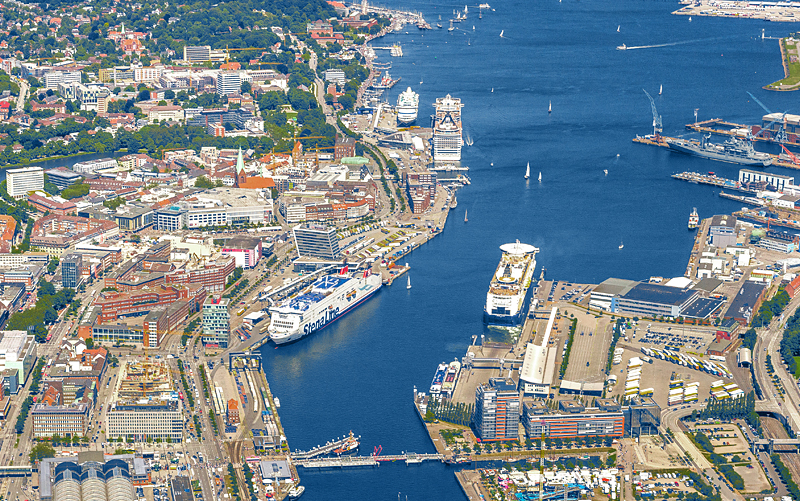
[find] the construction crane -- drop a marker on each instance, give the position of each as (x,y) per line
(780,135)
(656,118)
(791,155)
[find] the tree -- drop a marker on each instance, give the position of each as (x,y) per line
(246,87)
(204,182)
(89,343)
(41,451)
(52,265)
(169,94)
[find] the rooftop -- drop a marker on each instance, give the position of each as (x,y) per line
(661,294)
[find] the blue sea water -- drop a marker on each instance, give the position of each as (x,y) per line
(358,374)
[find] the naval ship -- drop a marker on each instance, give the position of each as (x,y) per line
(734,150)
(508,290)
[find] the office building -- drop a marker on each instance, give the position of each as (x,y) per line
(91,476)
(216,322)
(62,177)
(572,421)
(202,54)
(17,354)
(172,218)
(19,182)
(497,410)
(53,78)
(71,267)
(226,207)
(642,417)
(228,82)
(245,250)
(317,241)
(63,420)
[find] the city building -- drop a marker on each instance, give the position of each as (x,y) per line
(212,274)
(57,234)
(723,231)
(71,267)
(497,410)
(344,147)
(170,219)
(746,302)
(17,354)
(202,54)
(233,412)
(317,241)
(650,300)
(180,489)
(19,182)
(52,204)
(51,79)
(91,166)
(642,417)
(146,406)
(226,207)
(216,322)
(228,82)
(91,476)
(245,250)
(63,420)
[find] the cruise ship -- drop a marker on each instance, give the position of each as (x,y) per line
(438,379)
(322,302)
(407,107)
(447,140)
(508,291)
(734,150)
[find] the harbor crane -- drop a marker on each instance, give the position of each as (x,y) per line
(780,135)
(656,118)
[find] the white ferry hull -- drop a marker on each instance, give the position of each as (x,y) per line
(406,116)
(326,312)
(502,306)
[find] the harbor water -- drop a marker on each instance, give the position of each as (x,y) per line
(358,374)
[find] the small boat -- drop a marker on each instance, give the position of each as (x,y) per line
(618,28)
(465,216)
(540,177)
(622,47)
(528,171)
(451,26)
(550,108)
(408,285)
(439,25)
(694,219)
(660,89)
(621,245)
(501,33)
(690,19)
(605,171)
(492,89)
(473,27)
(296,492)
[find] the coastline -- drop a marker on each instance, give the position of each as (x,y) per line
(775,86)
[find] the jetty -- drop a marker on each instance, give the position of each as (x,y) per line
(713,180)
(321,450)
(373,460)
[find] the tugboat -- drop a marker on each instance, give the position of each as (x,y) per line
(694,219)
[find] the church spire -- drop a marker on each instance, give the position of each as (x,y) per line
(239,162)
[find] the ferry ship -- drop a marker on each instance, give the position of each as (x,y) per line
(322,302)
(734,150)
(407,106)
(438,379)
(447,139)
(450,377)
(694,219)
(508,291)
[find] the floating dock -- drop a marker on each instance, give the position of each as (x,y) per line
(321,450)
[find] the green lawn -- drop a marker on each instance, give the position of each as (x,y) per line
(794,68)
(797,367)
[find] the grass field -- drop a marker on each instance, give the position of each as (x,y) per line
(797,368)
(792,60)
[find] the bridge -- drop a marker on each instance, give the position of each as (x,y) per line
(350,461)
(15,471)
(785,443)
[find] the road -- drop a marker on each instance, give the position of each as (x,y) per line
(23,94)
(768,343)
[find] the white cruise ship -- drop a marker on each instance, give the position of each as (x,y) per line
(447,140)
(322,302)
(407,107)
(508,291)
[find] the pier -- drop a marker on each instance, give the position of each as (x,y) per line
(745,200)
(711,179)
(734,129)
(320,450)
(355,461)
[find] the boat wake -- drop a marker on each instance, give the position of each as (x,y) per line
(671,44)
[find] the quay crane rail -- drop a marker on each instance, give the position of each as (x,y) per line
(657,127)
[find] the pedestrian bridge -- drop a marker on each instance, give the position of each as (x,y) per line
(15,471)
(786,444)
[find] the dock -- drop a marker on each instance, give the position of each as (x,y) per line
(759,216)
(321,450)
(758,202)
(732,129)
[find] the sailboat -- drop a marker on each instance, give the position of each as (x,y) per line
(451,26)
(690,19)
(540,176)
(550,108)
(501,33)
(605,171)
(492,89)
(408,285)
(465,216)
(660,89)
(620,246)
(617,28)
(528,171)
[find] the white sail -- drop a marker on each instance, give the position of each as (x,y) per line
(528,171)
(501,33)
(408,286)
(550,108)
(540,177)
(660,89)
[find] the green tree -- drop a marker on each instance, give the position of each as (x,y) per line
(41,451)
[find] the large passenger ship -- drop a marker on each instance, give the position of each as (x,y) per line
(322,302)
(407,107)
(508,291)
(447,139)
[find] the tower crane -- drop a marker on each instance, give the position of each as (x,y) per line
(656,118)
(780,135)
